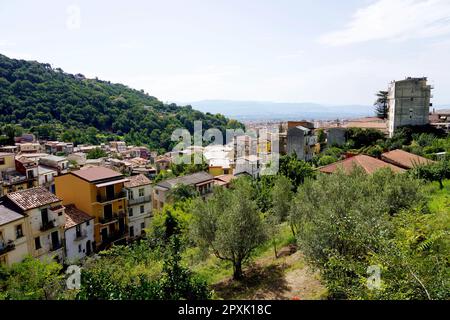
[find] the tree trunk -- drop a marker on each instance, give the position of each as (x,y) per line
(292,229)
(275,249)
(237,270)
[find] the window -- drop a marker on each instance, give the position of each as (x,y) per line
(78,231)
(2,161)
(88,222)
(142,209)
(37,243)
(131,195)
(130,212)
(19,231)
(131,231)
(141,192)
(142,225)
(79,248)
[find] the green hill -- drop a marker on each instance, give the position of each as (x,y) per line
(57,105)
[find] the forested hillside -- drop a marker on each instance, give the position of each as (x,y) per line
(57,105)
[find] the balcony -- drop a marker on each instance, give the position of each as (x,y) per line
(80,235)
(6,246)
(139,200)
(47,225)
(112,218)
(56,246)
(109,198)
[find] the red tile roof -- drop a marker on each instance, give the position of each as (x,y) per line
(96,173)
(32,198)
(137,181)
(75,216)
(404,159)
(369,164)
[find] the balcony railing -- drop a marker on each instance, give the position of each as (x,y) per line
(139,200)
(47,225)
(108,198)
(112,218)
(6,246)
(80,235)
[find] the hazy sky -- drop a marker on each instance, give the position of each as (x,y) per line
(328,51)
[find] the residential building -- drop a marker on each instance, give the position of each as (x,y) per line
(409,103)
(335,136)
(248,164)
(224,180)
(163,163)
(404,159)
(13,242)
(367,163)
(46,178)
(44,221)
(139,210)
(118,146)
(203,182)
(29,147)
(439,119)
(60,164)
(7,161)
(78,234)
(302,142)
(56,147)
(99,192)
(23,175)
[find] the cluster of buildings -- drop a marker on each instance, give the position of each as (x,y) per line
(55,203)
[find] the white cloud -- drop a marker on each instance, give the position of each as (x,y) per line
(394,20)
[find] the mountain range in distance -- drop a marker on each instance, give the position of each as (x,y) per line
(281,111)
(266,110)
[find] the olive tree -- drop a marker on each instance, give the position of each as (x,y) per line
(229,224)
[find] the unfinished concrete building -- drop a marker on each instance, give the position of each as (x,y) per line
(409,103)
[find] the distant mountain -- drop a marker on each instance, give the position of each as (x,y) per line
(54,104)
(256,110)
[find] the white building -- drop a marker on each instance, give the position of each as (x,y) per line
(79,234)
(61,164)
(46,178)
(409,103)
(139,209)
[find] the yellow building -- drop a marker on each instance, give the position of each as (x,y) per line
(99,192)
(13,243)
(7,162)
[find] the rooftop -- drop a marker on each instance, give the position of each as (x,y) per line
(7,215)
(137,181)
(368,164)
(93,174)
(191,179)
(54,158)
(75,216)
(404,159)
(32,198)
(5,154)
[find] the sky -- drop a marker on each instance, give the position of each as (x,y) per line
(324,51)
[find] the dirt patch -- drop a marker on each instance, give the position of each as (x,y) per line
(285,278)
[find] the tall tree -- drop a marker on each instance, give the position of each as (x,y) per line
(230,225)
(381,105)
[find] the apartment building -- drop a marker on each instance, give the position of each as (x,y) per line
(13,243)
(17,174)
(139,210)
(409,103)
(100,193)
(60,164)
(78,234)
(44,221)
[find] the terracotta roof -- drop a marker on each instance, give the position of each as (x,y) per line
(96,173)
(404,159)
(369,164)
(75,216)
(225,178)
(32,198)
(137,181)
(7,215)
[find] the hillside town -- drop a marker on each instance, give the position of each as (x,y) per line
(58,203)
